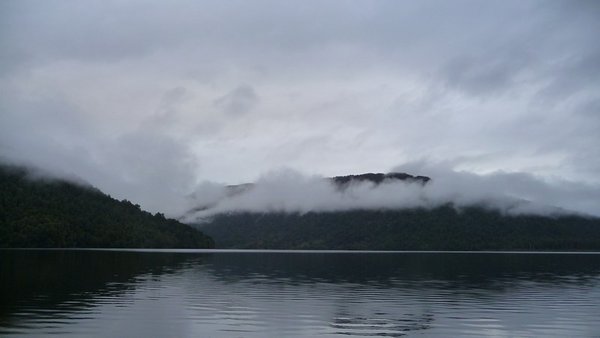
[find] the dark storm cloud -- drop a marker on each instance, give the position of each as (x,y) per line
(146,98)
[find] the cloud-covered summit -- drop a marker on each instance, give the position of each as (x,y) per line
(292,192)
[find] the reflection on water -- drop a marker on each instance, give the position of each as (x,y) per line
(262,294)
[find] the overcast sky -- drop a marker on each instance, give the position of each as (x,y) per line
(146,99)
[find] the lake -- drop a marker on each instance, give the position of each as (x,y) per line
(213,293)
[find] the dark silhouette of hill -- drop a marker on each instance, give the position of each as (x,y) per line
(57,213)
(440,228)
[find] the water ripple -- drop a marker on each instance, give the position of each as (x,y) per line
(303,295)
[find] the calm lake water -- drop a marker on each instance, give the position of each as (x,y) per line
(86,293)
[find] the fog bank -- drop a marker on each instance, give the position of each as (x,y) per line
(290,191)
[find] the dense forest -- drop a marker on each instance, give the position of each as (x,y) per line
(443,228)
(57,213)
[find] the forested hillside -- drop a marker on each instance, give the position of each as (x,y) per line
(443,228)
(56,213)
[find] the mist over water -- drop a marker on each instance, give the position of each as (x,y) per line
(288,190)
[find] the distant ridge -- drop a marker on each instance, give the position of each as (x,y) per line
(441,228)
(444,227)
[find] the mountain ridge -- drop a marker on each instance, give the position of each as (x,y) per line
(443,227)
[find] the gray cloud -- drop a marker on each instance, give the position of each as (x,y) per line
(240,100)
(290,191)
(483,74)
(144,98)
(145,165)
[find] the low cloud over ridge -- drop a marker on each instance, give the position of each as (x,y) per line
(287,190)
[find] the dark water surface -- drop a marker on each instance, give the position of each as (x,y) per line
(86,293)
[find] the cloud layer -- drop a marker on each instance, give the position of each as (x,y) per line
(289,191)
(145,99)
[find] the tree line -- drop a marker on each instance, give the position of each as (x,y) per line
(442,228)
(57,213)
